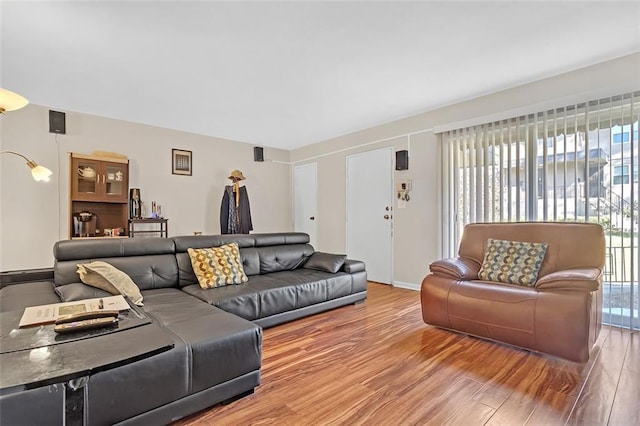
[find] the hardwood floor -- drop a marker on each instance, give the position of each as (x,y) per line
(377,363)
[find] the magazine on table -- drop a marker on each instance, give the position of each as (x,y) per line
(45,314)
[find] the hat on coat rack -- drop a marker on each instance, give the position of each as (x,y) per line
(237,175)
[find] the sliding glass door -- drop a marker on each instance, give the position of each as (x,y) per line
(577,163)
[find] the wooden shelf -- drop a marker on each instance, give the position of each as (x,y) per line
(99,238)
(163,230)
(101,194)
(100,158)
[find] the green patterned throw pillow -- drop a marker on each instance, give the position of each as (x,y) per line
(217,266)
(512,262)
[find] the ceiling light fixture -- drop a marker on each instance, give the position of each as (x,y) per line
(10,101)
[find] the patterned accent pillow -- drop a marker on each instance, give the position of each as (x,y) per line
(218,266)
(512,262)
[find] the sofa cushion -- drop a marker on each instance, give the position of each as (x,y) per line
(110,279)
(79,291)
(512,262)
(18,296)
(217,266)
(314,286)
(271,294)
(326,262)
(352,266)
(241,300)
(497,311)
(170,305)
(283,258)
(211,333)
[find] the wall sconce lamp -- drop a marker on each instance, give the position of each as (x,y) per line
(10,101)
(39,173)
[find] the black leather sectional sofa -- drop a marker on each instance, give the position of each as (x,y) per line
(217,332)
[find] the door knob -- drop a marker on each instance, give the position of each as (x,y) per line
(312,218)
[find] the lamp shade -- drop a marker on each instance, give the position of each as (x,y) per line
(39,173)
(10,101)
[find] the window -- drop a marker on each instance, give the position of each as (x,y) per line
(621,174)
(556,165)
(621,137)
(622,134)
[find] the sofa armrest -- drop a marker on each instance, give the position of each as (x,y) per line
(460,268)
(351,266)
(571,279)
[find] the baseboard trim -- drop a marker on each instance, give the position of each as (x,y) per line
(408,286)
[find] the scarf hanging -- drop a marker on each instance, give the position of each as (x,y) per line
(232,225)
(236,189)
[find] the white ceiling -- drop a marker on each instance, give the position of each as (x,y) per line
(287,74)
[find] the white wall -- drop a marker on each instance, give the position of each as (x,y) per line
(417,227)
(33,216)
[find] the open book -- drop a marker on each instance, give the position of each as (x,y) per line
(45,314)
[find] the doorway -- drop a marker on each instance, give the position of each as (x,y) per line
(370,212)
(306,200)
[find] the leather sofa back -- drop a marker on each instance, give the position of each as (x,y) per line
(164,262)
(571,244)
(150,262)
(260,253)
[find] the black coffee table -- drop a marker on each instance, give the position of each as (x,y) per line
(72,362)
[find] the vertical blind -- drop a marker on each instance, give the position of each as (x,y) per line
(575,163)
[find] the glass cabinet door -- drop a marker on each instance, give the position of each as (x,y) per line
(115,178)
(86,178)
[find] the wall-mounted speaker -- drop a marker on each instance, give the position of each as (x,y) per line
(402,160)
(57,122)
(258,153)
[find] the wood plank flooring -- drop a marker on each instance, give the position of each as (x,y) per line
(377,363)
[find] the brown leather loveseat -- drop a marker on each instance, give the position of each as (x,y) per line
(561,314)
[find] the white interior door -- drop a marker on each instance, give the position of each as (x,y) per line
(369,212)
(306,200)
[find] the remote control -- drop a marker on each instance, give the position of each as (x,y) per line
(81,316)
(85,324)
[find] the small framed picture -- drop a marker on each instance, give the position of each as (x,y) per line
(181,162)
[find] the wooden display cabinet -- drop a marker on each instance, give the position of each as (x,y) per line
(93,179)
(99,185)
